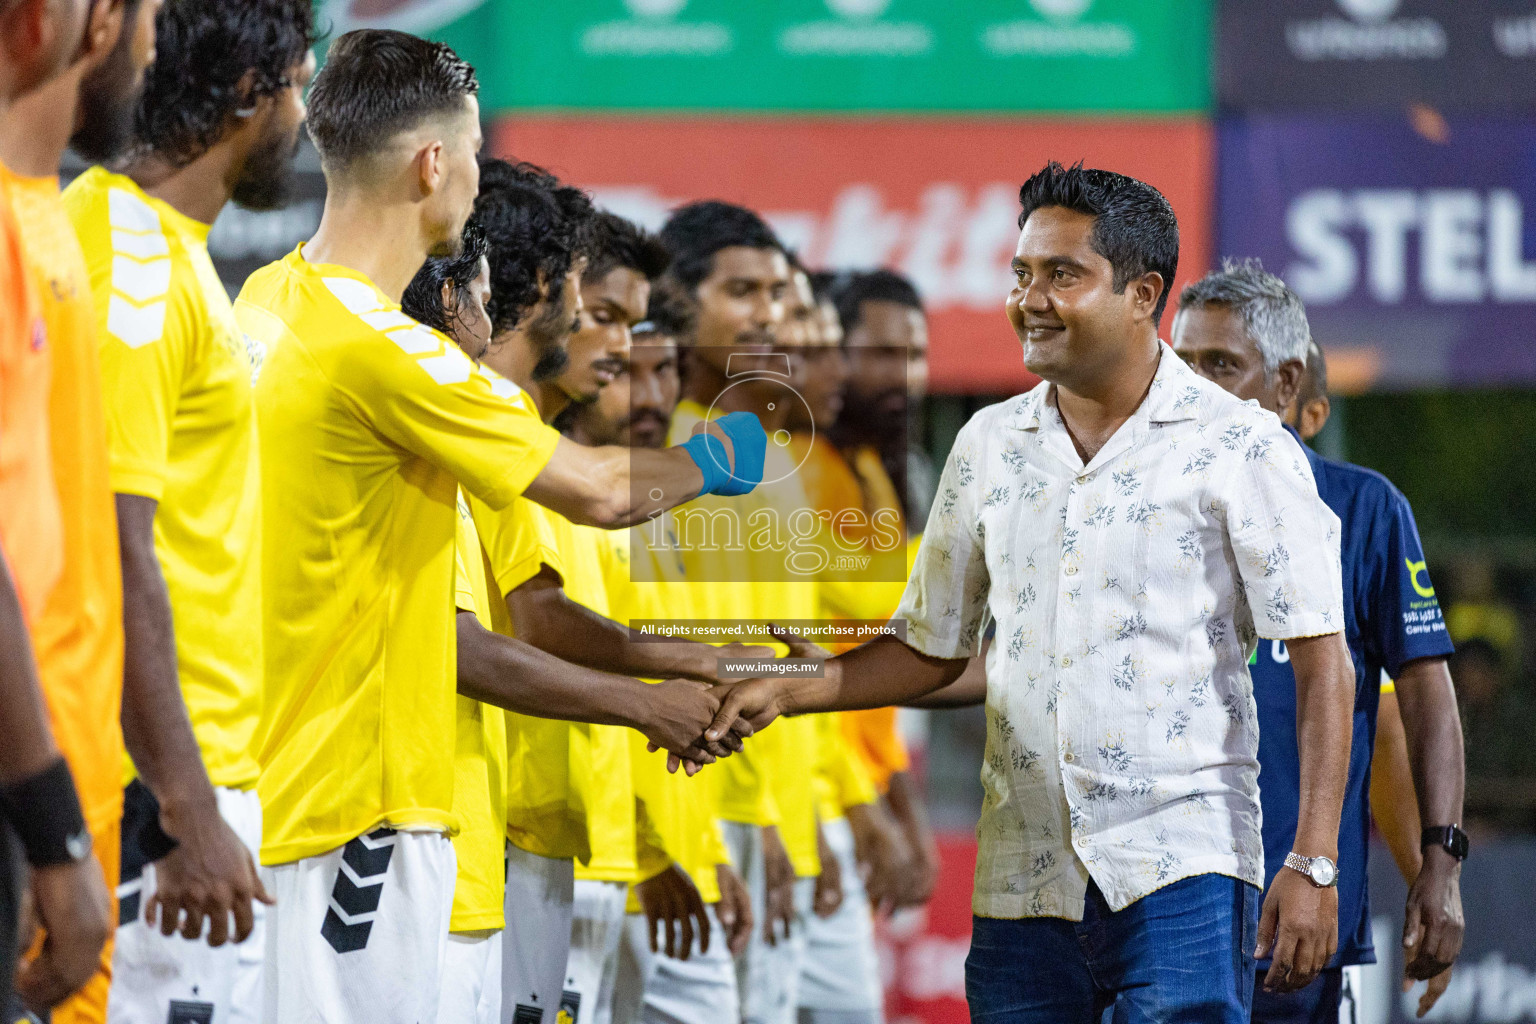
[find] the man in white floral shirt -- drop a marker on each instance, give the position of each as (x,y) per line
(1131,529)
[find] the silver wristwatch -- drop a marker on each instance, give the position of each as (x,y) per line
(1320,871)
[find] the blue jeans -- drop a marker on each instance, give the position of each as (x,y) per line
(1181,954)
(1317,1003)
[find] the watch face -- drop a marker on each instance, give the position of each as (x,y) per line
(78,846)
(1322,871)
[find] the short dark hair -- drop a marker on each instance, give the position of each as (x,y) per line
(669,314)
(532,230)
(822,284)
(574,203)
(378,82)
(616,242)
(851,291)
(423,298)
(203,48)
(695,232)
(1134,227)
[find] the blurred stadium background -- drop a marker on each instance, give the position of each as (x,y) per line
(1380,154)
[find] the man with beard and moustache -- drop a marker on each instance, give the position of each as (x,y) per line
(556,599)
(615,287)
(78,636)
(41,816)
(735,275)
(885,334)
(218,120)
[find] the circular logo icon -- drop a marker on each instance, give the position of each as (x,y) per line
(779,463)
(1369,10)
(1061,10)
(858,8)
(655,8)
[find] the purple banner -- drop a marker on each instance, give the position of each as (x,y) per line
(1412,239)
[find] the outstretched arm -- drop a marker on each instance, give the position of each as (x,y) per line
(517,676)
(967,691)
(878,674)
(613,487)
(549,620)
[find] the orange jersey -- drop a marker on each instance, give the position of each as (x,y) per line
(872,735)
(30,534)
(78,631)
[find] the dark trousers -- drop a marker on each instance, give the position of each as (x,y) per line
(1317,1003)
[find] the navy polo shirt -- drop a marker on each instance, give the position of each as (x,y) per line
(1391,617)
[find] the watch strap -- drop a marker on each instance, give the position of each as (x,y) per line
(1449,838)
(44,811)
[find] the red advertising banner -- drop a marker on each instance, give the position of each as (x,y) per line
(922,952)
(935,199)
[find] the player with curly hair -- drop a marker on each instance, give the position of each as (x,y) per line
(218,121)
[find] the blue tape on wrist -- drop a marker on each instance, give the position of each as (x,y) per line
(708,453)
(749,444)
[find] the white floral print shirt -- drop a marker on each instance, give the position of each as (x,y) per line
(1128,593)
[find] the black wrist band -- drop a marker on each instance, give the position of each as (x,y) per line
(45,812)
(1449,838)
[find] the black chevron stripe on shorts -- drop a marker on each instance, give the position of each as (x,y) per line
(359,886)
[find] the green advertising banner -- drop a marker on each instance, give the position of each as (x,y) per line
(813,55)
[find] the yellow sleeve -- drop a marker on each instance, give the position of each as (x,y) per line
(145,356)
(717,851)
(478,426)
(518,539)
(471,594)
(768,812)
(1388,684)
(651,853)
(842,781)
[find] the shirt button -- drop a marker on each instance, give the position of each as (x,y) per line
(1069,757)
(1071,570)
(1066,662)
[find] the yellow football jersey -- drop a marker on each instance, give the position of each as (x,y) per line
(370,422)
(682,811)
(181,429)
(842,781)
(773,780)
(479,761)
(547,771)
(611,794)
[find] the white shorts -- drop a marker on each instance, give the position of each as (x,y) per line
(359,934)
(1351,1000)
(597,926)
(158,978)
(471,992)
(840,975)
(654,988)
(537,938)
(767,977)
